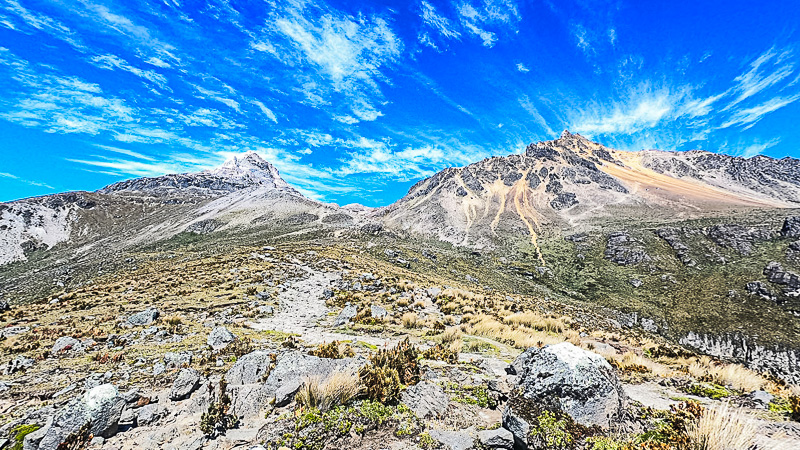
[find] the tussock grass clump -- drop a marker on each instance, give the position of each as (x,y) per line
(537,321)
(722,428)
(739,377)
(333,350)
(520,336)
(410,320)
(338,389)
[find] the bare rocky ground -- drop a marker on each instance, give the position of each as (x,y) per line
(135,359)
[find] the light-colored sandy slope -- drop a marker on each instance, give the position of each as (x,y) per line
(648,183)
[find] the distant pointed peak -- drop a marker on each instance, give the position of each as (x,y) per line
(566,135)
(250,168)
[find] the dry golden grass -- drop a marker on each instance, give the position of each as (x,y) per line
(338,389)
(451,338)
(521,336)
(409,320)
(723,428)
(536,321)
(739,377)
(402,302)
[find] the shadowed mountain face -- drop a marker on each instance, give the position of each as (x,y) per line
(572,181)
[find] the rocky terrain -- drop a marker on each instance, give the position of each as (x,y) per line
(572,296)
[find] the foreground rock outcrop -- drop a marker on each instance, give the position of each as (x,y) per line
(562,378)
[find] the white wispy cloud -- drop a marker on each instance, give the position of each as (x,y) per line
(124,151)
(471,19)
(528,106)
(747,117)
(759,147)
(267,112)
(522,68)
(41,22)
(766,71)
(349,53)
(111,62)
(22,180)
(435,21)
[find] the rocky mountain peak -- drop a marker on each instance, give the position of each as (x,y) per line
(250,169)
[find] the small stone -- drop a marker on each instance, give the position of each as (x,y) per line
(65,344)
(158,368)
(177,360)
(149,414)
(426,399)
(188,381)
(378,312)
(499,438)
(143,318)
(346,315)
(220,337)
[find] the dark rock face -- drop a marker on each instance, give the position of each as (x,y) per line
(760,289)
(461,192)
(564,200)
(622,249)
(510,178)
(533,180)
(738,237)
(179,182)
(789,280)
(470,181)
(673,238)
(791,227)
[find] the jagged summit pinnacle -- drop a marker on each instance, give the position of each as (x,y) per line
(238,172)
(249,168)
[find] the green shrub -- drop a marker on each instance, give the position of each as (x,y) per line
(710,390)
(388,370)
(440,353)
(19,433)
(216,420)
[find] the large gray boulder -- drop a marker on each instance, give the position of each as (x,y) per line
(143,318)
(250,368)
(100,408)
(566,379)
(427,400)
(220,337)
(188,381)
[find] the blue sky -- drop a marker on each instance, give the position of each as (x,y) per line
(355,102)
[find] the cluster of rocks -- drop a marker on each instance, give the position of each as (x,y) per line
(625,250)
(739,237)
(673,238)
